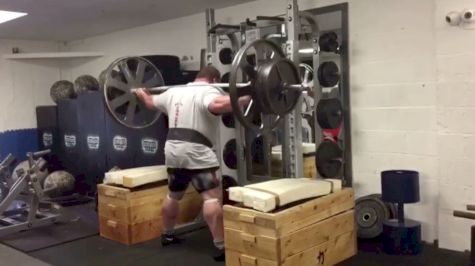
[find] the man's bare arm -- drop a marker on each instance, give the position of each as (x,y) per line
(146,98)
(222,104)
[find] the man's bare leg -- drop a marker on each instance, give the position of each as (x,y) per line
(170,209)
(213,215)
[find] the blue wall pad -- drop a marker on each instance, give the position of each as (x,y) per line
(18,142)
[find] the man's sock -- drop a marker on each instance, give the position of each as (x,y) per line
(219,244)
(219,255)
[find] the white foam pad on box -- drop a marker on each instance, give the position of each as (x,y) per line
(269,195)
(260,200)
(134,177)
(237,193)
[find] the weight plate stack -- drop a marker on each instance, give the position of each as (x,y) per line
(329,42)
(329,113)
(371,212)
(328,74)
(229,154)
(226,56)
(329,159)
(391,207)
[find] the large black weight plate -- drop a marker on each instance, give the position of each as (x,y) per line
(328,159)
(229,154)
(271,78)
(370,214)
(329,42)
(226,56)
(120,78)
(391,207)
(246,68)
(329,113)
(328,74)
(228,120)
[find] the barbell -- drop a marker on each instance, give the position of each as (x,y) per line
(259,70)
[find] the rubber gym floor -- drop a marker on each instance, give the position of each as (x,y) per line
(195,250)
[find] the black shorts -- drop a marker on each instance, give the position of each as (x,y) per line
(201,179)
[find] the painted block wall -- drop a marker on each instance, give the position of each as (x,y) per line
(24,84)
(455,61)
(411,87)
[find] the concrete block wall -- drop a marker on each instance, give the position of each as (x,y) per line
(393,98)
(455,58)
(412,93)
(24,84)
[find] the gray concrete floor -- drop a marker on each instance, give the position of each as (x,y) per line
(12,257)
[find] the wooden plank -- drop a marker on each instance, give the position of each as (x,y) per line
(248,220)
(291,219)
(129,234)
(267,196)
(330,253)
(250,228)
(128,205)
(277,249)
(116,177)
(311,219)
(288,190)
(259,200)
(288,220)
(253,245)
(316,234)
(234,258)
(128,194)
(146,230)
(112,191)
(145,177)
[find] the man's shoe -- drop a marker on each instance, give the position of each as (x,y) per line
(170,239)
(219,255)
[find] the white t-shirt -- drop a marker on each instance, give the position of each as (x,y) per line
(187,107)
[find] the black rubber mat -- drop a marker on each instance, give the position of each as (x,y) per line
(197,250)
(83,222)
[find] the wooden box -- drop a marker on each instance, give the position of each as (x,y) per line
(317,232)
(131,216)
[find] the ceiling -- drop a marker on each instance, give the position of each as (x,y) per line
(66,20)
